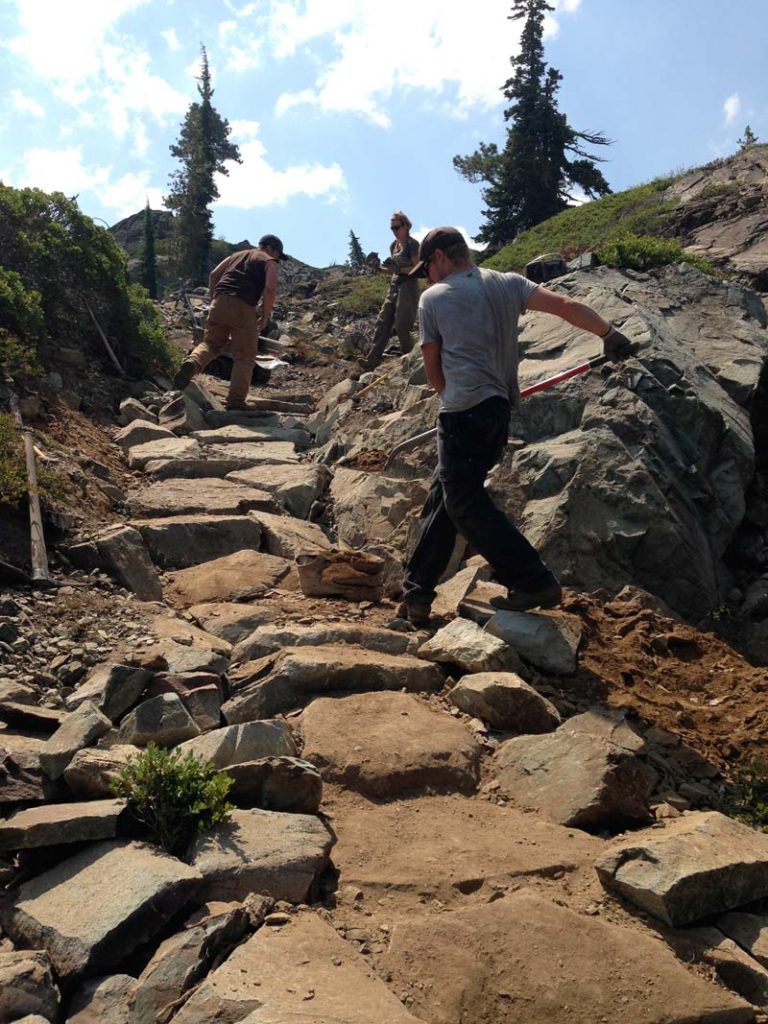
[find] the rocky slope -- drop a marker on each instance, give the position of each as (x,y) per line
(503,817)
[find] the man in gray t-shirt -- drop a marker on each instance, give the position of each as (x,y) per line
(468,331)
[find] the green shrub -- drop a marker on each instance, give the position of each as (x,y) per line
(152,347)
(53,262)
(747,799)
(176,797)
(647,253)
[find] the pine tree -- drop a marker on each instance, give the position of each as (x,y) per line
(147,255)
(544,158)
(203,147)
(748,139)
(356,255)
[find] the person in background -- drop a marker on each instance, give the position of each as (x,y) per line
(399,310)
(234,323)
(468,330)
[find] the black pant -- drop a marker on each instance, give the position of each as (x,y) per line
(469,444)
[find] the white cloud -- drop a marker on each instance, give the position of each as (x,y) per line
(244,130)
(25,104)
(254,183)
(374,55)
(731,107)
(171,39)
(74,48)
(129,194)
(59,170)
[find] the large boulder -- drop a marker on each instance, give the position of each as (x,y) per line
(235,744)
(263,688)
(145,888)
(505,701)
(266,639)
(267,852)
(241,576)
(297,487)
(369,507)
(385,744)
(703,863)
(177,542)
(195,497)
(27,985)
(465,644)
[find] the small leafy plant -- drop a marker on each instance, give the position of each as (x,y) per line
(176,797)
(644,252)
(747,799)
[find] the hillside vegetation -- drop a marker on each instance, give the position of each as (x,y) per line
(55,265)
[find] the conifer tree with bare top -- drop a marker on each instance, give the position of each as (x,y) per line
(544,161)
(356,258)
(203,147)
(147,255)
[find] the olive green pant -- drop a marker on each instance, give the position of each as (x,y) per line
(397,314)
(232,326)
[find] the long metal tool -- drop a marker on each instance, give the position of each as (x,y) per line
(39,556)
(541,385)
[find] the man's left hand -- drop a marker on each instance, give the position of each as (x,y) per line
(617,346)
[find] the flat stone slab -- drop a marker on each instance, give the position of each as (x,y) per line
(286,536)
(177,542)
(296,486)
(525,953)
(145,889)
(60,823)
(167,448)
(749,930)
(238,434)
(141,432)
(124,553)
(261,851)
(281,681)
(303,972)
(231,621)
(234,744)
(576,779)
(102,1000)
(450,594)
(505,701)
(255,453)
(242,576)
(700,864)
(266,639)
(387,744)
(201,467)
(547,640)
(447,846)
(203,496)
(465,644)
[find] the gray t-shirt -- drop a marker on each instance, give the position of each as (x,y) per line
(473,315)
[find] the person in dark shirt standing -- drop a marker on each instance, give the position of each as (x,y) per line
(234,323)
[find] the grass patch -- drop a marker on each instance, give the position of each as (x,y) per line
(361,295)
(13,468)
(638,211)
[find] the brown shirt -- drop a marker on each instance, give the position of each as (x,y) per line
(242,274)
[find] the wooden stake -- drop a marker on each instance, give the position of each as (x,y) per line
(39,556)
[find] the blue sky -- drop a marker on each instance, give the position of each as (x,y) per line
(346,110)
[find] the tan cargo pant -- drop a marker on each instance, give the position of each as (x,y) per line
(232,326)
(398,313)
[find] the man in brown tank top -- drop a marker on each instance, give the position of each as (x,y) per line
(234,322)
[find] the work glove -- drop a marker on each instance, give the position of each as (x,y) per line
(617,346)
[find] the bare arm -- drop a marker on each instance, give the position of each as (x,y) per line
(270,292)
(430,352)
(577,313)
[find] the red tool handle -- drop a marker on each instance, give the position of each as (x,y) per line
(574,371)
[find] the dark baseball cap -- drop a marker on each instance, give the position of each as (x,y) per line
(437,238)
(274,243)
